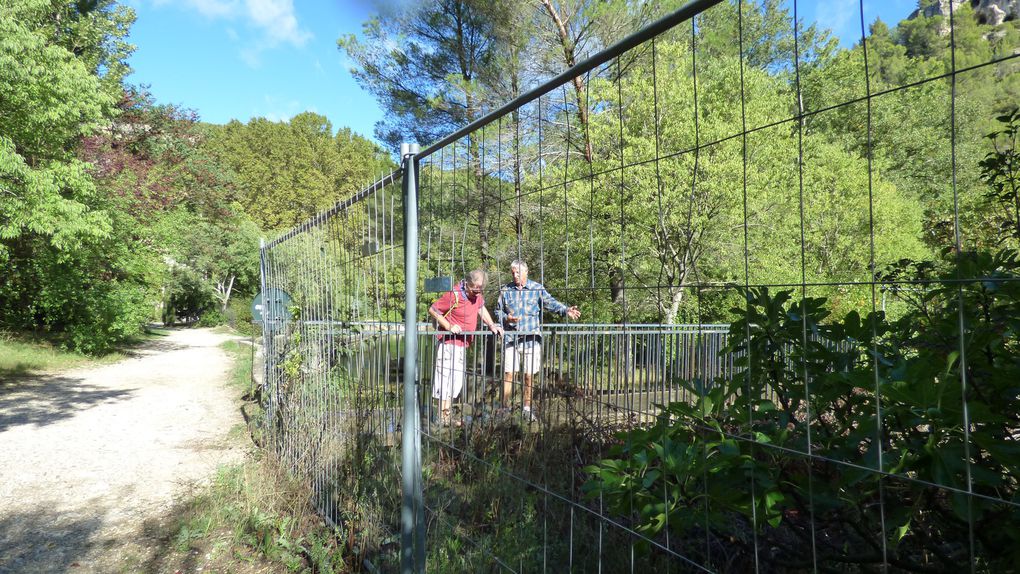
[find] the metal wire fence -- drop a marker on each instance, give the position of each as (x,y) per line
(766,375)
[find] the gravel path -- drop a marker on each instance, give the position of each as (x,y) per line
(87,456)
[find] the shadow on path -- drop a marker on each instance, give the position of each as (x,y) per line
(44,400)
(44,541)
(154,347)
(168,553)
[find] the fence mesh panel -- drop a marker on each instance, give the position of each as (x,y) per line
(780,364)
(332,386)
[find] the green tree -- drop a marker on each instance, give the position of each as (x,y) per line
(68,269)
(432,65)
(288,171)
(51,98)
(1000,170)
(916,130)
(179,207)
(662,227)
(207,260)
(929,396)
(440,65)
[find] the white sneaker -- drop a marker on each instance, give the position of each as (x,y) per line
(529,415)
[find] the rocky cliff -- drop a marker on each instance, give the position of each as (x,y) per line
(992,12)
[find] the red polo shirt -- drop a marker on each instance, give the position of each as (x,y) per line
(464,313)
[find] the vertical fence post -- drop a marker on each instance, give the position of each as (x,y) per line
(412,534)
(266,335)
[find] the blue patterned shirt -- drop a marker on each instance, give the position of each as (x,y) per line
(525,303)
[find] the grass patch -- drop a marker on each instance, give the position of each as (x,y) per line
(241,380)
(252,518)
(240,374)
(152,333)
(25,355)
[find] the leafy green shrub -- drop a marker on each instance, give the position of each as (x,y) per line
(238,316)
(212,318)
(88,299)
(833,428)
(844,443)
(187,295)
(110,314)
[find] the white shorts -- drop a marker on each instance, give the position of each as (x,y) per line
(448,378)
(530,351)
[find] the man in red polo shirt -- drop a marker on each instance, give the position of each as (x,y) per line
(457,311)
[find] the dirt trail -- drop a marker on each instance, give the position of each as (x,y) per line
(87,456)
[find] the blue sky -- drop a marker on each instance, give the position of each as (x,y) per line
(240,59)
(843,17)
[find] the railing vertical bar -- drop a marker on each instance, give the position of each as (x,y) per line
(412,540)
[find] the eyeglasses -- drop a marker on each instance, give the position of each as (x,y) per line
(472,289)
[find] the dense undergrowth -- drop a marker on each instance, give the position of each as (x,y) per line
(850,442)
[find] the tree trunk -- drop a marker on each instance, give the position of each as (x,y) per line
(225,292)
(570,59)
(674,305)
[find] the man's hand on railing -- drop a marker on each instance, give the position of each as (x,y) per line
(496,329)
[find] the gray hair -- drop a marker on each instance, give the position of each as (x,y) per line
(519,265)
(477,277)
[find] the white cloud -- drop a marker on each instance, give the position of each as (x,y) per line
(843,19)
(277,19)
(278,110)
(268,23)
(210,8)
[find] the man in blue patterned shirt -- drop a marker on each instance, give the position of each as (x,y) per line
(519,310)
